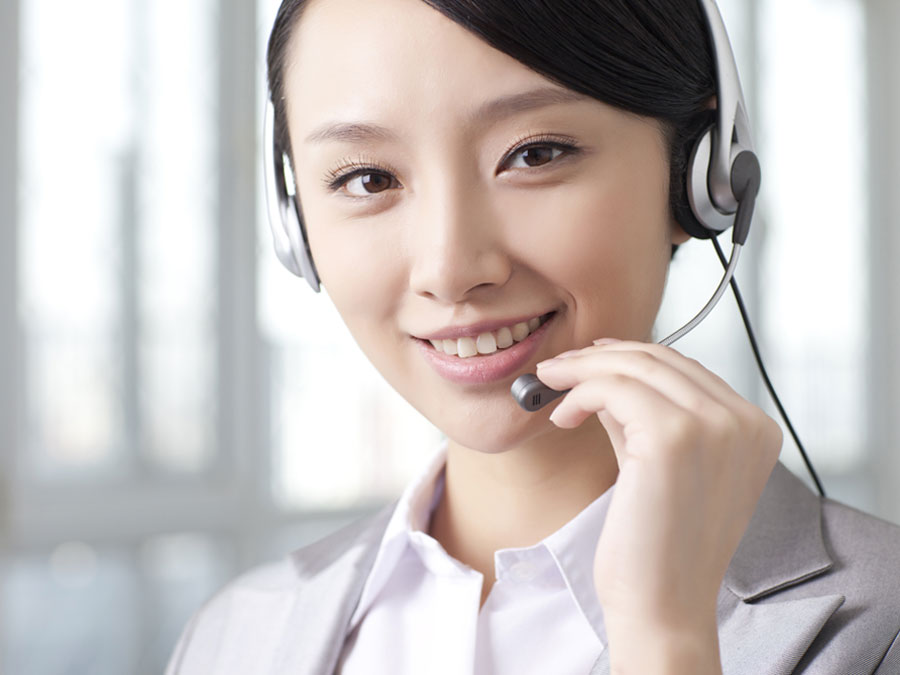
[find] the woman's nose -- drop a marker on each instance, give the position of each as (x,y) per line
(458,246)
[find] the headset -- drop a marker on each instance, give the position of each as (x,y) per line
(722,183)
(722,180)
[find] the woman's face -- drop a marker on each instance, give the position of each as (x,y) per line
(444,185)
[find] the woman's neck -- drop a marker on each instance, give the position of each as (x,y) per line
(518,497)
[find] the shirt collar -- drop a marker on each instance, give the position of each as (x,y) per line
(572,546)
(412,513)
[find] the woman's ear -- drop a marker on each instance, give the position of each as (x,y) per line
(678,235)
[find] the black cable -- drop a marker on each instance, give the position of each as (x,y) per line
(762,369)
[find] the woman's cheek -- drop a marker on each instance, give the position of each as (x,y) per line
(559,229)
(345,249)
(613,254)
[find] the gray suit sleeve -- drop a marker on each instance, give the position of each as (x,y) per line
(890,664)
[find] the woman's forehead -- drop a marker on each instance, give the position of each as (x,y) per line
(350,59)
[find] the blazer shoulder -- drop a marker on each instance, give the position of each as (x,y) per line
(286,573)
(245,599)
(362,533)
(859,523)
(256,606)
(865,548)
(865,553)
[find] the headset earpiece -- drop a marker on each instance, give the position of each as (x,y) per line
(285,221)
(706,220)
(712,202)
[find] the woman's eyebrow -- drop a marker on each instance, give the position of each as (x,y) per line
(361,132)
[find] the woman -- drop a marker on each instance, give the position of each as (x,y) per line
(487,185)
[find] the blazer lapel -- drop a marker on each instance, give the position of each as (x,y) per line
(782,547)
(771,638)
(331,574)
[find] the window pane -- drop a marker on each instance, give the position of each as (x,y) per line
(73,611)
(72,207)
(813,273)
(80,609)
(176,241)
(117,235)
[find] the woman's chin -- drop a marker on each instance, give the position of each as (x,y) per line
(494,437)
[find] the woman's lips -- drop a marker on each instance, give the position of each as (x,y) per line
(485,368)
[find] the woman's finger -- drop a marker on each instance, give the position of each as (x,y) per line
(640,360)
(649,420)
(676,359)
(667,380)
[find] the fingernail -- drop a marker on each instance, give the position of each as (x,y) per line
(606,341)
(548,362)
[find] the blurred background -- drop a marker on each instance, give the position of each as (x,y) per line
(166,388)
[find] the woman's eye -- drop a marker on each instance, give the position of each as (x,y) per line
(367,183)
(533,156)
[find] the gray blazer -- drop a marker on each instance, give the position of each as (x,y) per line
(813,588)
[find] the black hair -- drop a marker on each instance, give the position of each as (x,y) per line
(649,57)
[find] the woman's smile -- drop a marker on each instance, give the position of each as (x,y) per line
(490,356)
(502,331)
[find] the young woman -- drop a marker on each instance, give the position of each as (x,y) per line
(491,188)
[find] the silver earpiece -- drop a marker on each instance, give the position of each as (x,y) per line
(709,179)
(288,235)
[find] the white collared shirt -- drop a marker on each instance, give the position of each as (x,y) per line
(419,608)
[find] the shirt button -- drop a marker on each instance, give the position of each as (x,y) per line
(523,571)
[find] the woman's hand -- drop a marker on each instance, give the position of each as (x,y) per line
(693,460)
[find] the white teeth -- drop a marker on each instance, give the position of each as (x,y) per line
(451,347)
(520,331)
(467,347)
(504,338)
(486,343)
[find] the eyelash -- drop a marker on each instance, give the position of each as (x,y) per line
(349,169)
